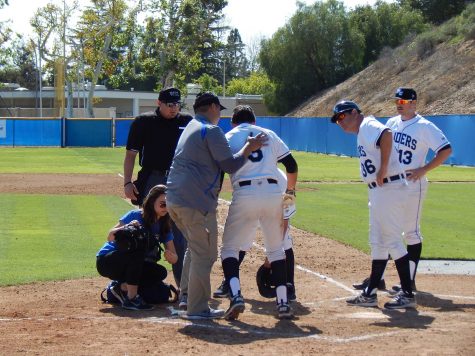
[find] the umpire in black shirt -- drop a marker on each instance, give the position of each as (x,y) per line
(154,136)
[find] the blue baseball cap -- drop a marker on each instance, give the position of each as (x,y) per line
(406,94)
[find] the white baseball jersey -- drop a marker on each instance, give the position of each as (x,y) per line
(386,204)
(413,138)
(261,163)
(369,153)
(257,197)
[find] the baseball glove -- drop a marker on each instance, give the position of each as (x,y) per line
(264,282)
(288,198)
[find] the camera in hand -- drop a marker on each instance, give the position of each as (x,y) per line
(132,238)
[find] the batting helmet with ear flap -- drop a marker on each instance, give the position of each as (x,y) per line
(264,282)
(343,106)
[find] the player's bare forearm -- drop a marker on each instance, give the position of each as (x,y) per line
(291,180)
(439,158)
(385,147)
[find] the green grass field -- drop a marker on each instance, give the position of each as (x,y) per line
(51,237)
(64,160)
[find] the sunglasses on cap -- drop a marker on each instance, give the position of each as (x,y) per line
(172,105)
(402,101)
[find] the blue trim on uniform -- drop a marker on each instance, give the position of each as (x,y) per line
(204,123)
(214,182)
(444,147)
(418,210)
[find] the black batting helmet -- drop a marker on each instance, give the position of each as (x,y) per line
(342,106)
(264,282)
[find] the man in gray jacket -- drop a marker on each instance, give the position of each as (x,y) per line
(202,154)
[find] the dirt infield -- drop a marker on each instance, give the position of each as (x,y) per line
(67,317)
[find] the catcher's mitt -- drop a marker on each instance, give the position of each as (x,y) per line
(264,282)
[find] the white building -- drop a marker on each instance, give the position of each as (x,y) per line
(21,102)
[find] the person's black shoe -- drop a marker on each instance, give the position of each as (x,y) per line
(136,303)
(222,291)
(397,288)
(364,284)
(291,292)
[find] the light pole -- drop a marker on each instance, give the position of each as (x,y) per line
(40,75)
(224,78)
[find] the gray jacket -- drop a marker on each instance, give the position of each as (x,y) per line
(201,155)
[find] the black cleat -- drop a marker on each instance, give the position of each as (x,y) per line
(364,284)
(397,288)
(222,291)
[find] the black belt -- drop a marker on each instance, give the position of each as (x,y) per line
(248,182)
(386,180)
(161,172)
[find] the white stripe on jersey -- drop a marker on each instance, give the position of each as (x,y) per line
(261,163)
(413,138)
(370,154)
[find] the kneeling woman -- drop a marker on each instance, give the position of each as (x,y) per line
(138,267)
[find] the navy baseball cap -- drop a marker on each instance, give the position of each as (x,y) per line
(170,95)
(406,94)
(207,98)
(342,106)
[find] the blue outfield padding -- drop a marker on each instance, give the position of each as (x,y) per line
(32,132)
(225,124)
(460,130)
(309,134)
(89,132)
(122,127)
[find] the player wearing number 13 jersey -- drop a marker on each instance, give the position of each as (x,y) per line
(257,201)
(413,137)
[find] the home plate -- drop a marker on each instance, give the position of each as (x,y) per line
(365,315)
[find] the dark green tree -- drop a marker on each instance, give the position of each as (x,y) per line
(384,25)
(4,30)
(235,56)
(437,11)
(316,49)
(21,69)
(176,36)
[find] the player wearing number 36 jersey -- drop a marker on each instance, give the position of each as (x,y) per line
(382,173)
(257,201)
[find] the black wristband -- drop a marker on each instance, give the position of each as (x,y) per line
(127,184)
(291,192)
